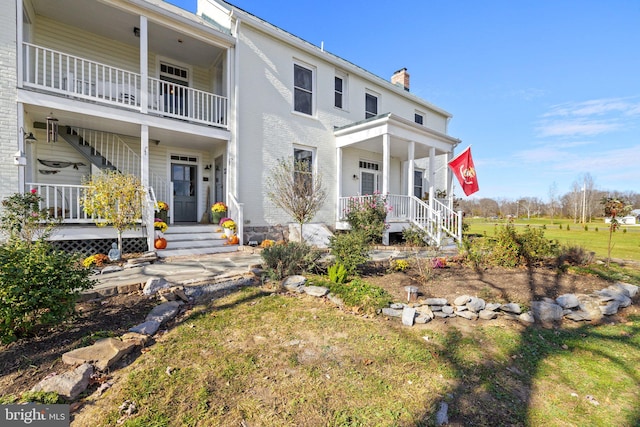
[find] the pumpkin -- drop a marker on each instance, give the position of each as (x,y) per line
(234,240)
(160,243)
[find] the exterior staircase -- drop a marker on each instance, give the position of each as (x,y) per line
(197,239)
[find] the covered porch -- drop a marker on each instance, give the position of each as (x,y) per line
(404,162)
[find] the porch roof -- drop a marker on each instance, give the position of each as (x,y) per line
(367,135)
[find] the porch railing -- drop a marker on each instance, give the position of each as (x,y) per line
(65,202)
(401,208)
(79,77)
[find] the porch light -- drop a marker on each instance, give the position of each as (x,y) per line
(136,31)
(28,137)
(52,129)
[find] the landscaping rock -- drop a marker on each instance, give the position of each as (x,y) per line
(316,291)
(578,316)
(441,416)
(138,339)
(492,306)
(487,314)
(425,311)
(512,307)
(611,308)
(629,289)
(568,301)
(546,312)
(467,314)
(163,312)
(462,300)
(69,384)
(590,305)
(447,309)
(436,307)
(294,283)
(526,317)
(397,306)
(408,316)
(336,300)
(422,319)
(103,354)
(111,269)
(613,293)
(442,314)
(392,312)
(475,304)
(147,328)
(154,284)
(436,301)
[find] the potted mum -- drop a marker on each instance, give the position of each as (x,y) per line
(229,226)
(162,208)
(161,227)
(218,211)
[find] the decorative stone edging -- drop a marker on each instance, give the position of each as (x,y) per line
(576,307)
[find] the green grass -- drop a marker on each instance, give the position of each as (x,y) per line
(282,360)
(626,244)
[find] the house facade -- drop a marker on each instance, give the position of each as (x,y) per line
(200,107)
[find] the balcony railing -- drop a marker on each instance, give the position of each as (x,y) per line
(70,75)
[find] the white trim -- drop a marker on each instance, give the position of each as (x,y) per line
(174,63)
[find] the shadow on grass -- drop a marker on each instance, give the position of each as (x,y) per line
(498,389)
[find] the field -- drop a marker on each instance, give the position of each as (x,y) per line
(593,236)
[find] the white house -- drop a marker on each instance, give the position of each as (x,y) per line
(200,107)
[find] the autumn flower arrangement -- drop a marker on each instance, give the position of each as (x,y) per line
(228,223)
(97,260)
(218,207)
(160,225)
(162,206)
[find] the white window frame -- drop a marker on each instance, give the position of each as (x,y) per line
(311,150)
(376,172)
(375,95)
(345,86)
(422,115)
(417,183)
(312,91)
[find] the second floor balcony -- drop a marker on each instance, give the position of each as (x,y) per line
(70,75)
(130,55)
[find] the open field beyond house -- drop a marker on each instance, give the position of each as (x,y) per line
(259,356)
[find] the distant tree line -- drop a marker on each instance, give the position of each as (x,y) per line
(582,203)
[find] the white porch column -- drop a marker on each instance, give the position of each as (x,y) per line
(386,161)
(20,47)
(339,183)
(148,211)
(412,167)
(449,180)
(20,156)
(144,61)
(432,175)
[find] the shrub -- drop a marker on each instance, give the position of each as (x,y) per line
(38,286)
(350,249)
(96,259)
(568,227)
(360,294)
(22,219)
(367,214)
(282,260)
(509,248)
(586,227)
(415,236)
(337,273)
(399,265)
(575,255)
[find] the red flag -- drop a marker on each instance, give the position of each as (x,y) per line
(463,169)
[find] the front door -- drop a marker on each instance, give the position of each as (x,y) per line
(184,192)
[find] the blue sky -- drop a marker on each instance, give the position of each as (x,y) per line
(544,91)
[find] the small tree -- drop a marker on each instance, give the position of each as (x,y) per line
(114,199)
(294,188)
(613,208)
(22,219)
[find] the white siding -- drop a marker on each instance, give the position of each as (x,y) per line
(8,94)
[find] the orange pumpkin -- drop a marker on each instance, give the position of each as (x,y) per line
(160,243)
(234,240)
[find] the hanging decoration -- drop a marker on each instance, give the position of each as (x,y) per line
(60,163)
(52,129)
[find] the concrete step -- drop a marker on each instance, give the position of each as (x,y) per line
(194,239)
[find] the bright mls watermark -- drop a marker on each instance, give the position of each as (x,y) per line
(34,415)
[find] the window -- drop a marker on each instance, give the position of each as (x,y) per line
(419,118)
(302,89)
(303,171)
(370,105)
(417,184)
(339,83)
(369,177)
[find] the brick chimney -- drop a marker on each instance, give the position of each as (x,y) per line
(401,78)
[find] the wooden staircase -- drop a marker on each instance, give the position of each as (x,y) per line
(196,239)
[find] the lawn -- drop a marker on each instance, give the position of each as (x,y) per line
(592,236)
(260,358)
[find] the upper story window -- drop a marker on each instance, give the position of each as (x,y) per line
(340,90)
(370,105)
(302,89)
(419,118)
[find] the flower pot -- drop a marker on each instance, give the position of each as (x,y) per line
(228,232)
(216,217)
(163,216)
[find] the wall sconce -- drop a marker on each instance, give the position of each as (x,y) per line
(52,129)
(28,137)
(136,31)
(355,177)
(208,167)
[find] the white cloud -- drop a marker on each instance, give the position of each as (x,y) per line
(577,127)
